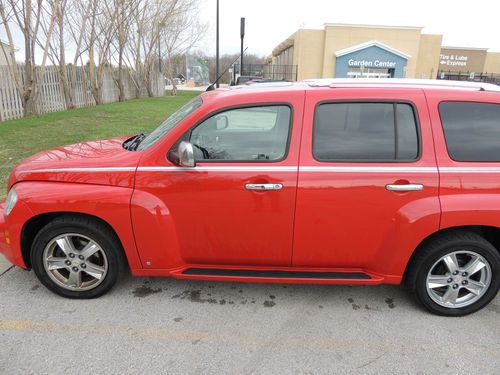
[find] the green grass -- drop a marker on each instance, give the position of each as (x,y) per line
(24,137)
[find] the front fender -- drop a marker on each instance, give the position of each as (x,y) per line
(108,203)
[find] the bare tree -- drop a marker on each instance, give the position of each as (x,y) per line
(149,19)
(57,45)
(27,16)
(97,41)
(122,12)
(181,32)
(132,40)
(133,53)
(225,61)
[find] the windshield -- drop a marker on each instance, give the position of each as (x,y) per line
(169,123)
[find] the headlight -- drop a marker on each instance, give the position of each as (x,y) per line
(10,202)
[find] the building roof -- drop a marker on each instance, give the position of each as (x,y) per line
(465,48)
(372,43)
(374,26)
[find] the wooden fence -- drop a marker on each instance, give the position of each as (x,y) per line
(51,97)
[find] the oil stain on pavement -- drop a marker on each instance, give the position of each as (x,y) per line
(144,291)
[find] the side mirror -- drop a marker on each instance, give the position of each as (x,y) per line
(222,122)
(185,154)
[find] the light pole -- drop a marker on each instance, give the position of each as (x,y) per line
(217,47)
(242,35)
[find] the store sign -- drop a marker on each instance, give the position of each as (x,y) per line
(453,60)
(371,63)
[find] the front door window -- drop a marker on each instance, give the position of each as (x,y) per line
(248,134)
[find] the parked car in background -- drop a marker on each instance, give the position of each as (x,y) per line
(241,80)
(260,81)
(327,182)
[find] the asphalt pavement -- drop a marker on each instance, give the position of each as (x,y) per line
(4,264)
(168,326)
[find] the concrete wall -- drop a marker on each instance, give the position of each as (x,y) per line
(492,64)
(308,53)
(428,56)
(462,59)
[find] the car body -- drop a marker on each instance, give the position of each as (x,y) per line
(300,213)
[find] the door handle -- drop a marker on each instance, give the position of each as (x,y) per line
(405,187)
(263,186)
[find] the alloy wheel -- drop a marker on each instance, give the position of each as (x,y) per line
(75,262)
(458,279)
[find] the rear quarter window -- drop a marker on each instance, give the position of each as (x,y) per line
(472,130)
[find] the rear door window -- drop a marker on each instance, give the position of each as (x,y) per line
(472,130)
(365,132)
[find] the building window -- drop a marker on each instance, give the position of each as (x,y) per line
(370,73)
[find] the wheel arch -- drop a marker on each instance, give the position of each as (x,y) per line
(33,226)
(44,201)
(489,233)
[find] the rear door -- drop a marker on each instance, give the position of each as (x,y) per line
(368,181)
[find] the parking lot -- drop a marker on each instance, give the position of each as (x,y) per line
(165,325)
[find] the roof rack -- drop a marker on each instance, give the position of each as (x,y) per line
(402,82)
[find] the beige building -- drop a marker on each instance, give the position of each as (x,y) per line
(341,51)
(5,53)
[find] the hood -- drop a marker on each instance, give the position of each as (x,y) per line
(102,162)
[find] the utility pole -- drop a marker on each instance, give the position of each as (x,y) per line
(242,36)
(217,47)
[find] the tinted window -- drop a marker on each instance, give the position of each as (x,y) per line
(365,131)
(244,134)
(472,130)
(407,139)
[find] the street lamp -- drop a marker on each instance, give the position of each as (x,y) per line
(217,46)
(242,36)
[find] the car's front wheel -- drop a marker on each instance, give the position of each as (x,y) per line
(456,274)
(76,257)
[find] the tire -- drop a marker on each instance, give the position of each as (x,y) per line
(77,257)
(430,274)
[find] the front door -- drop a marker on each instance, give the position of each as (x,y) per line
(368,181)
(236,206)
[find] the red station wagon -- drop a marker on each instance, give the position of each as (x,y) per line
(326,182)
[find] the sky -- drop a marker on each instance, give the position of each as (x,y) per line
(269,22)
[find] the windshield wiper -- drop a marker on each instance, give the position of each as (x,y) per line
(133,143)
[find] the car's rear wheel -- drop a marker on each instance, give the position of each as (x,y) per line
(76,257)
(456,274)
